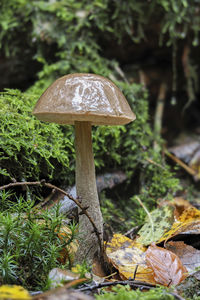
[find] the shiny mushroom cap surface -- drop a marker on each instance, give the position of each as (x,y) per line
(83,97)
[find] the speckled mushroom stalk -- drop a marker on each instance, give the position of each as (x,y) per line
(86,188)
(84,100)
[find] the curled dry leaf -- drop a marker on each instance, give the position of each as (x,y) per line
(167,267)
(58,277)
(69,251)
(187,223)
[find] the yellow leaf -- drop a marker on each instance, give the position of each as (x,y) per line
(129,257)
(188,222)
(13,292)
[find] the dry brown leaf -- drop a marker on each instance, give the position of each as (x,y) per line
(180,205)
(58,277)
(63,293)
(189,256)
(97,268)
(128,256)
(167,267)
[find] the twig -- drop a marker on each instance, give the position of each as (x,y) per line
(155,163)
(176,296)
(159,113)
(121,73)
(133,283)
(135,272)
(182,164)
(147,212)
(51,186)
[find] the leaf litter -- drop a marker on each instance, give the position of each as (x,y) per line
(166,256)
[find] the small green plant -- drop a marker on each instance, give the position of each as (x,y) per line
(82,269)
(30,245)
(125,293)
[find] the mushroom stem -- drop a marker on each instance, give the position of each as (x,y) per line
(87,191)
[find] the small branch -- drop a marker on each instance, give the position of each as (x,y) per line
(121,73)
(133,284)
(51,186)
(182,164)
(155,163)
(10,185)
(159,113)
(135,272)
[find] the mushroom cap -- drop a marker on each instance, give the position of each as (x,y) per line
(83,97)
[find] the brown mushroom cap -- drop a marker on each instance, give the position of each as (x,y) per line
(83,97)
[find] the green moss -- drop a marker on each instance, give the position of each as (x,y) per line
(31,150)
(125,293)
(189,288)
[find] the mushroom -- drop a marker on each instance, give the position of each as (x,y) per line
(85,100)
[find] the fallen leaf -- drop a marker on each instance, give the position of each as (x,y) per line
(187,224)
(128,257)
(189,215)
(162,219)
(167,267)
(179,203)
(189,256)
(58,277)
(12,292)
(67,253)
(98,273)
(62,293)
(97,268)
